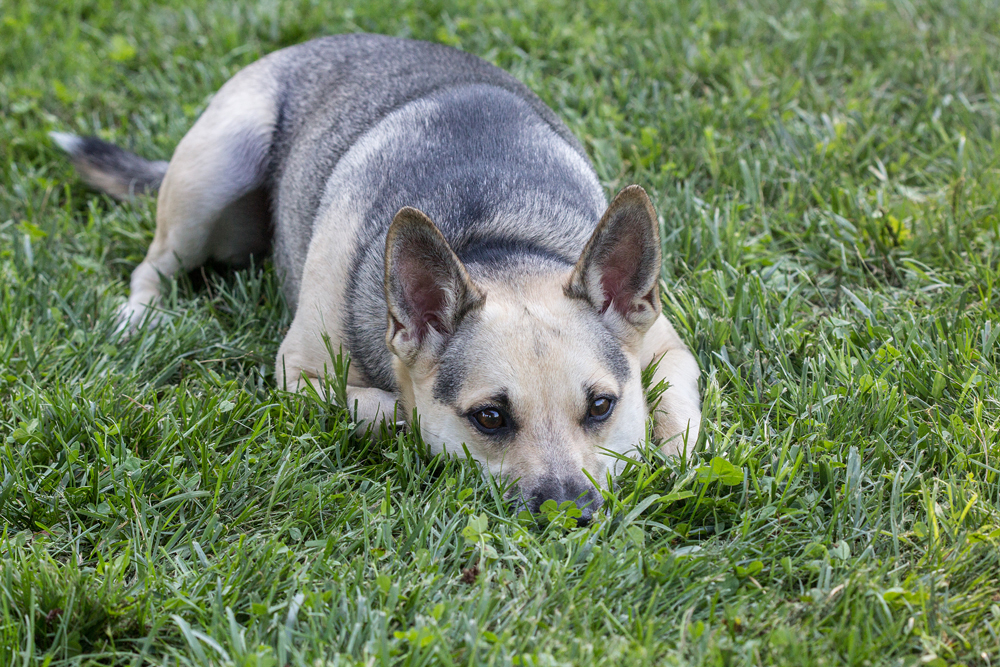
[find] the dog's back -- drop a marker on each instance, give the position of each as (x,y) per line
(337,88)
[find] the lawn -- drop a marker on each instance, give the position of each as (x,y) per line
(827,173)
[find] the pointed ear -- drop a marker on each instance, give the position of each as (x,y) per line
(619,270)
(427,289)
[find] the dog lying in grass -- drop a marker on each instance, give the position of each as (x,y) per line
(429,215)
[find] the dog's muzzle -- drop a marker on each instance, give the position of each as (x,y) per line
(578,489)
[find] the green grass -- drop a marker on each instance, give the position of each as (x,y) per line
(828,175)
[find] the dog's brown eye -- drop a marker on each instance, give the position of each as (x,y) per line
(489,419)
(600,408)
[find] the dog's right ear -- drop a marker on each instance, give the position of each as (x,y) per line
(427,289)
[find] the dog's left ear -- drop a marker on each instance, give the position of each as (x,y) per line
(619,270)
(427,289)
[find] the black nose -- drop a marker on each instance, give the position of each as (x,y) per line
(577,489)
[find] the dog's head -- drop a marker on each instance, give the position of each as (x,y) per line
(538,376)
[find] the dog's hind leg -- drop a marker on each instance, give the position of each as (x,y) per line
(212,202)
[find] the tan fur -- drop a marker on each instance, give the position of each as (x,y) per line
(677,417)
(202,210)
(527,346)
(105,182)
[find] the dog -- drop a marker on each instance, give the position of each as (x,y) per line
(432,217)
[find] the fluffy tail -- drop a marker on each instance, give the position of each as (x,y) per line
(110,169)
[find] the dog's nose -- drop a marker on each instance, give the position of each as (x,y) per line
(577,489)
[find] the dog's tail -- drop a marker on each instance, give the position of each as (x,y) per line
(111,169)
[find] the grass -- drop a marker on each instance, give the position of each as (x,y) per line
(827,174)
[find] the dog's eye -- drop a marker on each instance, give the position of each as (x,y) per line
(600,408)
(489,420)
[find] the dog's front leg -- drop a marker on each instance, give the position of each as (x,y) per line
(305,355)
(677,415)
(367,404)
(373,405)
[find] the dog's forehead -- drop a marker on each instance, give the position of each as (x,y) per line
(531,343)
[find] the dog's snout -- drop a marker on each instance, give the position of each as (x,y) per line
(577,489)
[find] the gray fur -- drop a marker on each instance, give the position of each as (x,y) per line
(336,89)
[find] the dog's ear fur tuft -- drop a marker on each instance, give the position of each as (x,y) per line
(619,269)
(427,289)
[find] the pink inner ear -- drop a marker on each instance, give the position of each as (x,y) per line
(425,299)
(618,275)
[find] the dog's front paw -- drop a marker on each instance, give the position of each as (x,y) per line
(132,316)
(373,405)
(677,424)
